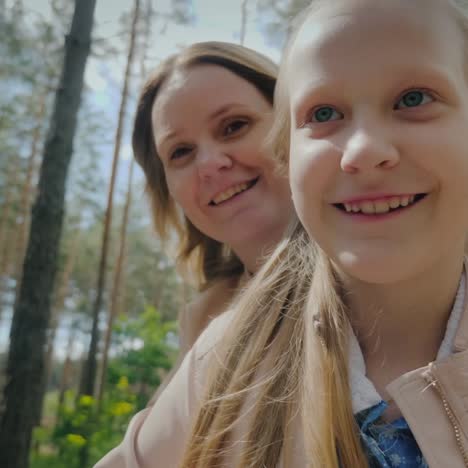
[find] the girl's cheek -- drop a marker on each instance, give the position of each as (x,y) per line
(312,157)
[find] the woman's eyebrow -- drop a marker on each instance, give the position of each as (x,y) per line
(167,137)
(224,109)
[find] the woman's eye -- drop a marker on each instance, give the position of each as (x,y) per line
(325,114)
(234,127)
(180,152)
(413,98)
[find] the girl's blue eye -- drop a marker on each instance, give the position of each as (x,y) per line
(326,114)
(413,98)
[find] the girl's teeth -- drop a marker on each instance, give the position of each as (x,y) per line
(367,207)
(379,206)
(394,202)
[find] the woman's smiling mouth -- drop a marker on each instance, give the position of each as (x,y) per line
(232,192)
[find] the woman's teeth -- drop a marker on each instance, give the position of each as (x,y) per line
(379,206)
(229,193)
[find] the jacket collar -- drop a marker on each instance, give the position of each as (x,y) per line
(461,338)
(363,393)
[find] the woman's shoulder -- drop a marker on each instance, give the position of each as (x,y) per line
(213,333)
(217,295)
(209,304)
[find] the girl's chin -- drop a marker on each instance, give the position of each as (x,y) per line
(376,269)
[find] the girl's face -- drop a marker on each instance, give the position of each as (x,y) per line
(379,135)
(209,128)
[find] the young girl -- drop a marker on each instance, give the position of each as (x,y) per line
(199,134)
(350,348)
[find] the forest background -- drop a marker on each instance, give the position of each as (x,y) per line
(88,295)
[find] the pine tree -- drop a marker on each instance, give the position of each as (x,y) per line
(25,367)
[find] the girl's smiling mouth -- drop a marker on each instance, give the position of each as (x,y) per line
(232,192)
(379,205)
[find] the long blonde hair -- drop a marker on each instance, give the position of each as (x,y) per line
(201,257)
(294,315)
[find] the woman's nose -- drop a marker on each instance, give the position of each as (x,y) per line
(211,160)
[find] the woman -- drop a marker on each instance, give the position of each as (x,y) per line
(199,136)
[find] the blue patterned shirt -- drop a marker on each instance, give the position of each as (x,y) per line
(388,445)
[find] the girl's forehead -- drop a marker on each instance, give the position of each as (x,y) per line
(358,20)
(340,35)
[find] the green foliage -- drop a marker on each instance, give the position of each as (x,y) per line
(143,352)
(83,434)
(84,430)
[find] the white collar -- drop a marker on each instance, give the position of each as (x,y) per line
(363,393)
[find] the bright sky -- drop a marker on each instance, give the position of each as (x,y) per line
(214,20)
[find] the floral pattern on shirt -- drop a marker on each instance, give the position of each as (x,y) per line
(388,445)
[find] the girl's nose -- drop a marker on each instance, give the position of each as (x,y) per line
(367,150)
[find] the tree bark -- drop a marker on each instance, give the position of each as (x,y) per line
(117,296)
(116,287)
(25,366)
(6,229)
(90,368)
(58,303)
(5,221)
(27,191)
(65,377)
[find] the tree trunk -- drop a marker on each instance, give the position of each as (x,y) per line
(6,230)
(117,284)
(25,366)
(5,221)
(2,10)
(90,367)
(65,377)
(117,296)
(57,308)
(26,193)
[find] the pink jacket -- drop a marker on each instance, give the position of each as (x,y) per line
(433,399)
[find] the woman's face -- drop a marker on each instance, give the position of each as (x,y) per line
(379,140)
(209,129)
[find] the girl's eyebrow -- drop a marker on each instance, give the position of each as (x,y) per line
(302,95)
(305,93)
